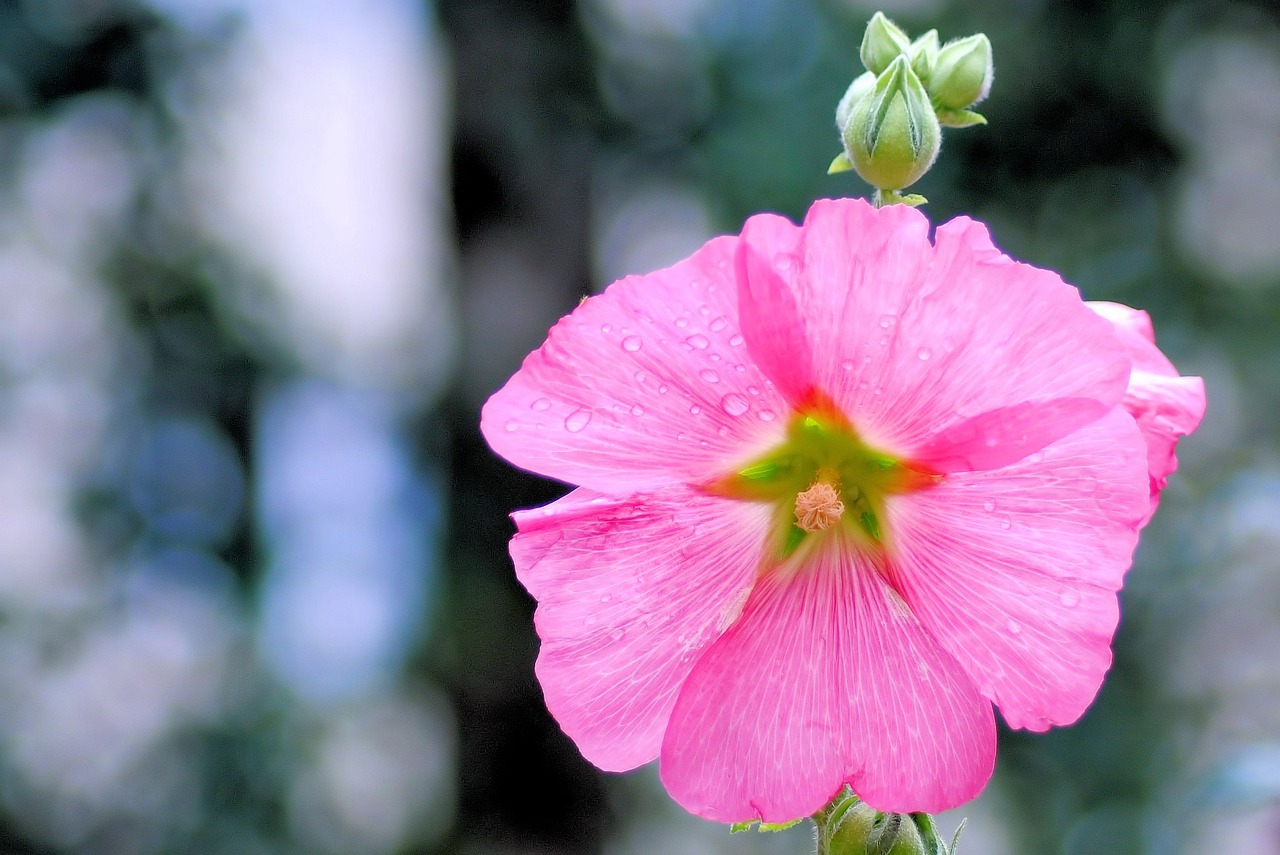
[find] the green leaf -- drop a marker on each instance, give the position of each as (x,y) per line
(840,164)
(960,118)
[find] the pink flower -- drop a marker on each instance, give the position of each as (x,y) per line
(839,491)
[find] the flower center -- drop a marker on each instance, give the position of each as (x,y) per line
(819,507)
(823,478)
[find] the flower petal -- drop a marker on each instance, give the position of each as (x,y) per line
(769,266)
(1166,406)
(1015,571)
(644,383)
(630,591)
(826,678)
(914,340)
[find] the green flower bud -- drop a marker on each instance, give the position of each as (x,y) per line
(923,53)
(962,73)
(859,87)
(892,135)
(882,43)
(853,827)
(908,841)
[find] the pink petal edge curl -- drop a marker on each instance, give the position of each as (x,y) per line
(765,692)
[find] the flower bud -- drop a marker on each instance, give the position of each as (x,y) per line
(882,43)
(962,73)
(892,135)
(859,87)
(853,829)
(923,53)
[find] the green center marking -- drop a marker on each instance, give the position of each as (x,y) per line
(819,448)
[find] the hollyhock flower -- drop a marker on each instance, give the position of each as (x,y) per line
(840,489)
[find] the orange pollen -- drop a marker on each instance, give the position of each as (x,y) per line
(819,507)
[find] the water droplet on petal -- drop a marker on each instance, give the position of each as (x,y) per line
(695,410)
(577,420)
(988,506)
(662,388)
(718,324)
(618,634)
(709,375)
(641,377)
(704,443)
(1005,522)
(740,368)
(767,415)
(1036,458)
(734,404)
(681,323)
(783,262)
(637,410)
(604,598)
(753,391)
(541,405)
(512,425)
(735,340)
(632,343)
(704,310)
(698,341)
(605,328)
(924,354)
(1070,599)
(887,321)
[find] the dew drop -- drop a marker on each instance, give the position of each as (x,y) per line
(722,431)
(988,506)
(641,377)
(709,375)
(1070,599)
(540,406)
(782,262)
(662,388)
(697,341)
(734,404)
(753,391)
(767,415)
(715,357)
(848,365)
(884,339)
(606,328)
(695,410)
(681,323)
(577,420)
(735,340)
(1014,628)
(679,437)
(740,368)
(704,443)
(618,634)
(512,425)
(1005,522)
(637,410)
(632,343)
(1036,458)
(887,321)
(704,310)
(924,354)
(604,598)
(718,324)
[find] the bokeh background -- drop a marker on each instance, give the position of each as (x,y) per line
(261,261)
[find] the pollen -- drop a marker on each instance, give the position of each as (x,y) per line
(819,507)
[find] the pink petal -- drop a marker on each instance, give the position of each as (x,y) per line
(1015,571)
(826,678)
(630,591)
(912,340)
(648,382)
(1165,405)
(768,270)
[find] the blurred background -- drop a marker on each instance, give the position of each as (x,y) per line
(261,261)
